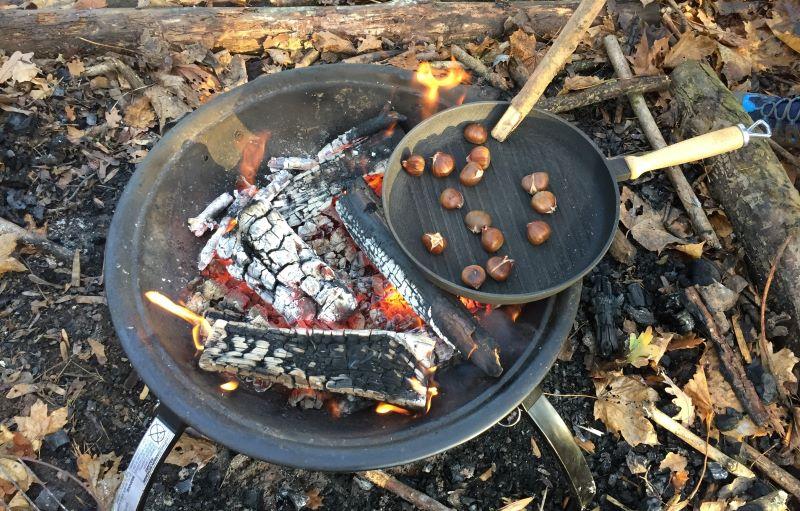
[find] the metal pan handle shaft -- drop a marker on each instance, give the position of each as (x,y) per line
(694,149)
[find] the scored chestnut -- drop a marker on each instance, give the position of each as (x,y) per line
(538,232)
(434,242)
(492,239)
(473,276)
(451,198)
(544,202)
(475,133)
(480,155)
(476,220)
(535,182)
(414,165)
(499,268)
(442,164)
(471,174)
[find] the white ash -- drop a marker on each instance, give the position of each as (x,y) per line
(205,220)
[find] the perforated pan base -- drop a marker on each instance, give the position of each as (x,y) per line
(582,226)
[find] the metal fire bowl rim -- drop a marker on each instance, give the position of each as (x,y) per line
(186,398)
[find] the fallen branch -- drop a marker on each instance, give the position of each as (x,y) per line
(37,240)
(476,65)
(697,443)
(115,65)
(682,187)
(781,477)
(783,153)
(402,490)
(603,92)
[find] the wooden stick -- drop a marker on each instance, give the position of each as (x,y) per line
(783,153)
(563,47)
(697,443)
(402,490)
(37,240)
(114,64)
(732,366)
(682,187)
(375,56)
(242,30)
(603,92)
(783,478)
(478,66)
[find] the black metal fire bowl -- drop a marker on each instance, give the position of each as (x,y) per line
(150,248)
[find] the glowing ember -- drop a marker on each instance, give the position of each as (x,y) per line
(230,386)
(426,77)
(384,408)
(253,149)
(473,306)
(394,306)
(201,325)
(375,182)
(513,311)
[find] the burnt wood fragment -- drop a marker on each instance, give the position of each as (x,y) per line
(441,311)
(375,364)
(604,306)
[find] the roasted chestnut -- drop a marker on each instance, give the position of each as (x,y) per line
(442,164)
(481,156)
(414,165)
(434,242)
(476,220)
(471,174)
(535,182)
(499,268)
(543,202)
(473,276)
(492,239)
(450,198)
(475,133)
(538,232)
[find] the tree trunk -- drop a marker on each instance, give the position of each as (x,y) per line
(750,184)
(51,31)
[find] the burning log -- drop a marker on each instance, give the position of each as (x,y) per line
(242,199)
(375,364)
(358,133)
(205,220)
(362,216)
(292,163)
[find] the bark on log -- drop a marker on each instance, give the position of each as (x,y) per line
(750,184)
(373,364)
(51,31)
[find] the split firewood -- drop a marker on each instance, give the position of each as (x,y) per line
(376,364)
(750,184)
(37,240)
(402,490)
(442,312)
(683,189)
(241,30)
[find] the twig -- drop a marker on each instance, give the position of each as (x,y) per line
(605,91)
(705,463)
(309,58)
(697,443)
(682,187)
(783,478)
(680,14)
(37,240)
(732,367)
(477,66)
(16,485)
(113,47)
(375,56)
(402,490)
(783,153)
(60,473)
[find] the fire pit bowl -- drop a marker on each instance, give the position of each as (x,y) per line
(150,248)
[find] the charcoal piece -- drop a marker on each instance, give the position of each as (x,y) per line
(318,359)
(604,305)
(640,315)
(351,137)
(636,296)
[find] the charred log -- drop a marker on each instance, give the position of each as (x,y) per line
(442,312)
(375,364)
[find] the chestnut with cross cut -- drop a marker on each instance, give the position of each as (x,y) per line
(434,242)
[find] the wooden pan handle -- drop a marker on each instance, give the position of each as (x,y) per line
(563,47)
(693,149)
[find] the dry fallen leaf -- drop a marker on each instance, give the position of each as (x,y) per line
(13,471)
(673,461)
(21,389)
(685,342)
(718,386)
(89,4)
(587,445)
(620,405)
(165,104)
(113,118)
(785,23)
(74,134)
(101,474)
(139,114)
(39,423)
(314,499)
(517,505)
(693,250)
(646,60)
(190,450)
(579,82)
(697,390)
(75,67)
(678,480)
(647,347)
(523,48)
(782,365)
(328,41)
(369,43)
(716,505)
(691,46)
(645,224)
(19,68)
(537,452)
(98,350)
(8,242)
(735,68)
(487,474)
(684,403)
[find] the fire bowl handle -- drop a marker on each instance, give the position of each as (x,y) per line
(161,435)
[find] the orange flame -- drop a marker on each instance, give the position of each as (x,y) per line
(384,408)
(513,311)
(253,149)
(394,306)
(430,391)
(230,386)
(425,76)
(375,182)
(474,306)
(202,328)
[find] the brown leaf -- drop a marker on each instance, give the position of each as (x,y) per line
(698,392)
(8,242)
(719,221)
(685,342)
(517,505)
(74,134)
(190,450)
(328,41)
(39,423)
(69,113)
(735,68)
(679,480)
(693,250)
(75,67)
(280,57)
(586,445)
(579,82)
(21,389)
(785,23)
(645,224)
(763,49)
(369,43)
(89,4)
(98,350)
(718,386)
(101,474)
(684,403)
(18,68)
(674,461)
(716,505)
(314,499)
(537,452)
(13,471)
(139,114)
(647,61)
(620,405)
(165,104)
(406,60)
(782,364)
(691,46)
(647,347)
(523,48)
(487,474)
(113,118)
